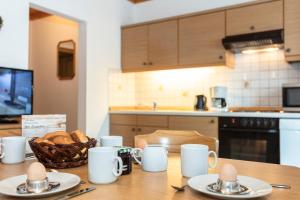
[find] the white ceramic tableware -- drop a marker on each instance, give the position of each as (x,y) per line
(194,159)
(67,181)
(13,149)
(111,141)
(154,158)
(104,166)
(258,187)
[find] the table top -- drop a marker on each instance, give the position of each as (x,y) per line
(156,186)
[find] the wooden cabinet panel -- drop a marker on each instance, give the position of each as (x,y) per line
(123,119)
(207,126)
(152,120)
(163,44)
(200,39)
(128,133)
(10,132)
(134,47)
(255,18)
(292,29)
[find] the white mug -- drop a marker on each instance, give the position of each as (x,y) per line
(111,141)
(13,149)
(194,160)
(154,158)
(104,166)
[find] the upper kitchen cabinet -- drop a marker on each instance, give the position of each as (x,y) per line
(255,18)
(163,44)
(134,47)
(292,30)
(200,40)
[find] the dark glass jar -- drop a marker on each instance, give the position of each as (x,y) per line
(125,154)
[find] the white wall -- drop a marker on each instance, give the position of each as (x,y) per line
(52,95)
(156,9)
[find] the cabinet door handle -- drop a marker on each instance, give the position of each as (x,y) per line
(144,63)
(288,50)
(133,129)
(150,63)
(212,121)
(221,57)
(139,129)
(252,28)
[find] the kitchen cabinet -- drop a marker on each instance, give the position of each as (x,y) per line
(135,47)
(7,130)
(292,30)
(207,126)
(255,18)
(163,44)
(200,40)
(129,126)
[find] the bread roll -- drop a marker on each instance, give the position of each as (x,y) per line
(78,136)
(62,140)
(50,136)
(42,140)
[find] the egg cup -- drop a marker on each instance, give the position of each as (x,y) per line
(228,188)
(37,186)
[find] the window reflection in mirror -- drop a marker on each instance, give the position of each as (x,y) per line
(66,59)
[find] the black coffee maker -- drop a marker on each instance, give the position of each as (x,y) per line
(201,101)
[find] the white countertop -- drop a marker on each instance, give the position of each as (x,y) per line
(209,113)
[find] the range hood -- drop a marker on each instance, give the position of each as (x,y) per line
(253,41)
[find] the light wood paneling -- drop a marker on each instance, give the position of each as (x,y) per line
(152,120)
(207,126)
(200,39)
(128,133)
(123,119)
(134,47)
(163,44)
(292,29)
(255,18)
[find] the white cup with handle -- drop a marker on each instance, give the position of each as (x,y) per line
(154,158)
(194,160)
(13,149)
(104,166)
(111,141)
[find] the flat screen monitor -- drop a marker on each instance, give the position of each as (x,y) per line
(16,92)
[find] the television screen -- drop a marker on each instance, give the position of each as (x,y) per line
(16,89)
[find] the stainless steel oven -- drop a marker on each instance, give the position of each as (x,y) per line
(253,139)
(291,97)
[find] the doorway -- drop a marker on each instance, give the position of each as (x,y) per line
(56,76)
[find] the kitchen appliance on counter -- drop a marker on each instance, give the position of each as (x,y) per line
(291,97)
(218,98)
(290,142)
(249,138)
(201,102)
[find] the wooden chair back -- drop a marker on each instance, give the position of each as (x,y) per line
(173,139)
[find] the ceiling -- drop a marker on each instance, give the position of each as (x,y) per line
(138,1)
(36,14)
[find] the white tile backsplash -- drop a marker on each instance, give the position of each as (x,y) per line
(255,81)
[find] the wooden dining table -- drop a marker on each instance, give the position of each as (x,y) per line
(141,185)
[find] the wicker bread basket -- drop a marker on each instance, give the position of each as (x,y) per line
(62,156)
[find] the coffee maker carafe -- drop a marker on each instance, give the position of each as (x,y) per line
(218,98)
(201,101)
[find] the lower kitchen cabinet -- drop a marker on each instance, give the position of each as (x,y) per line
(207,126)
(127,132)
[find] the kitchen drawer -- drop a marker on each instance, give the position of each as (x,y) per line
(152,120)
(207,126)
(123,119)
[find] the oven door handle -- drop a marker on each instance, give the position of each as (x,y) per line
(248,130)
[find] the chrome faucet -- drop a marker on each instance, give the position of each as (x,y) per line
(154,105)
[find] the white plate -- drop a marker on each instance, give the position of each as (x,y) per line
(67,181)
(259,188)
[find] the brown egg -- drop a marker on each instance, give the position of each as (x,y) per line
(228,173)
(36,172)
(141,143)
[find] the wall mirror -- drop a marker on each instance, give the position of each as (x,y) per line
(66,59)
